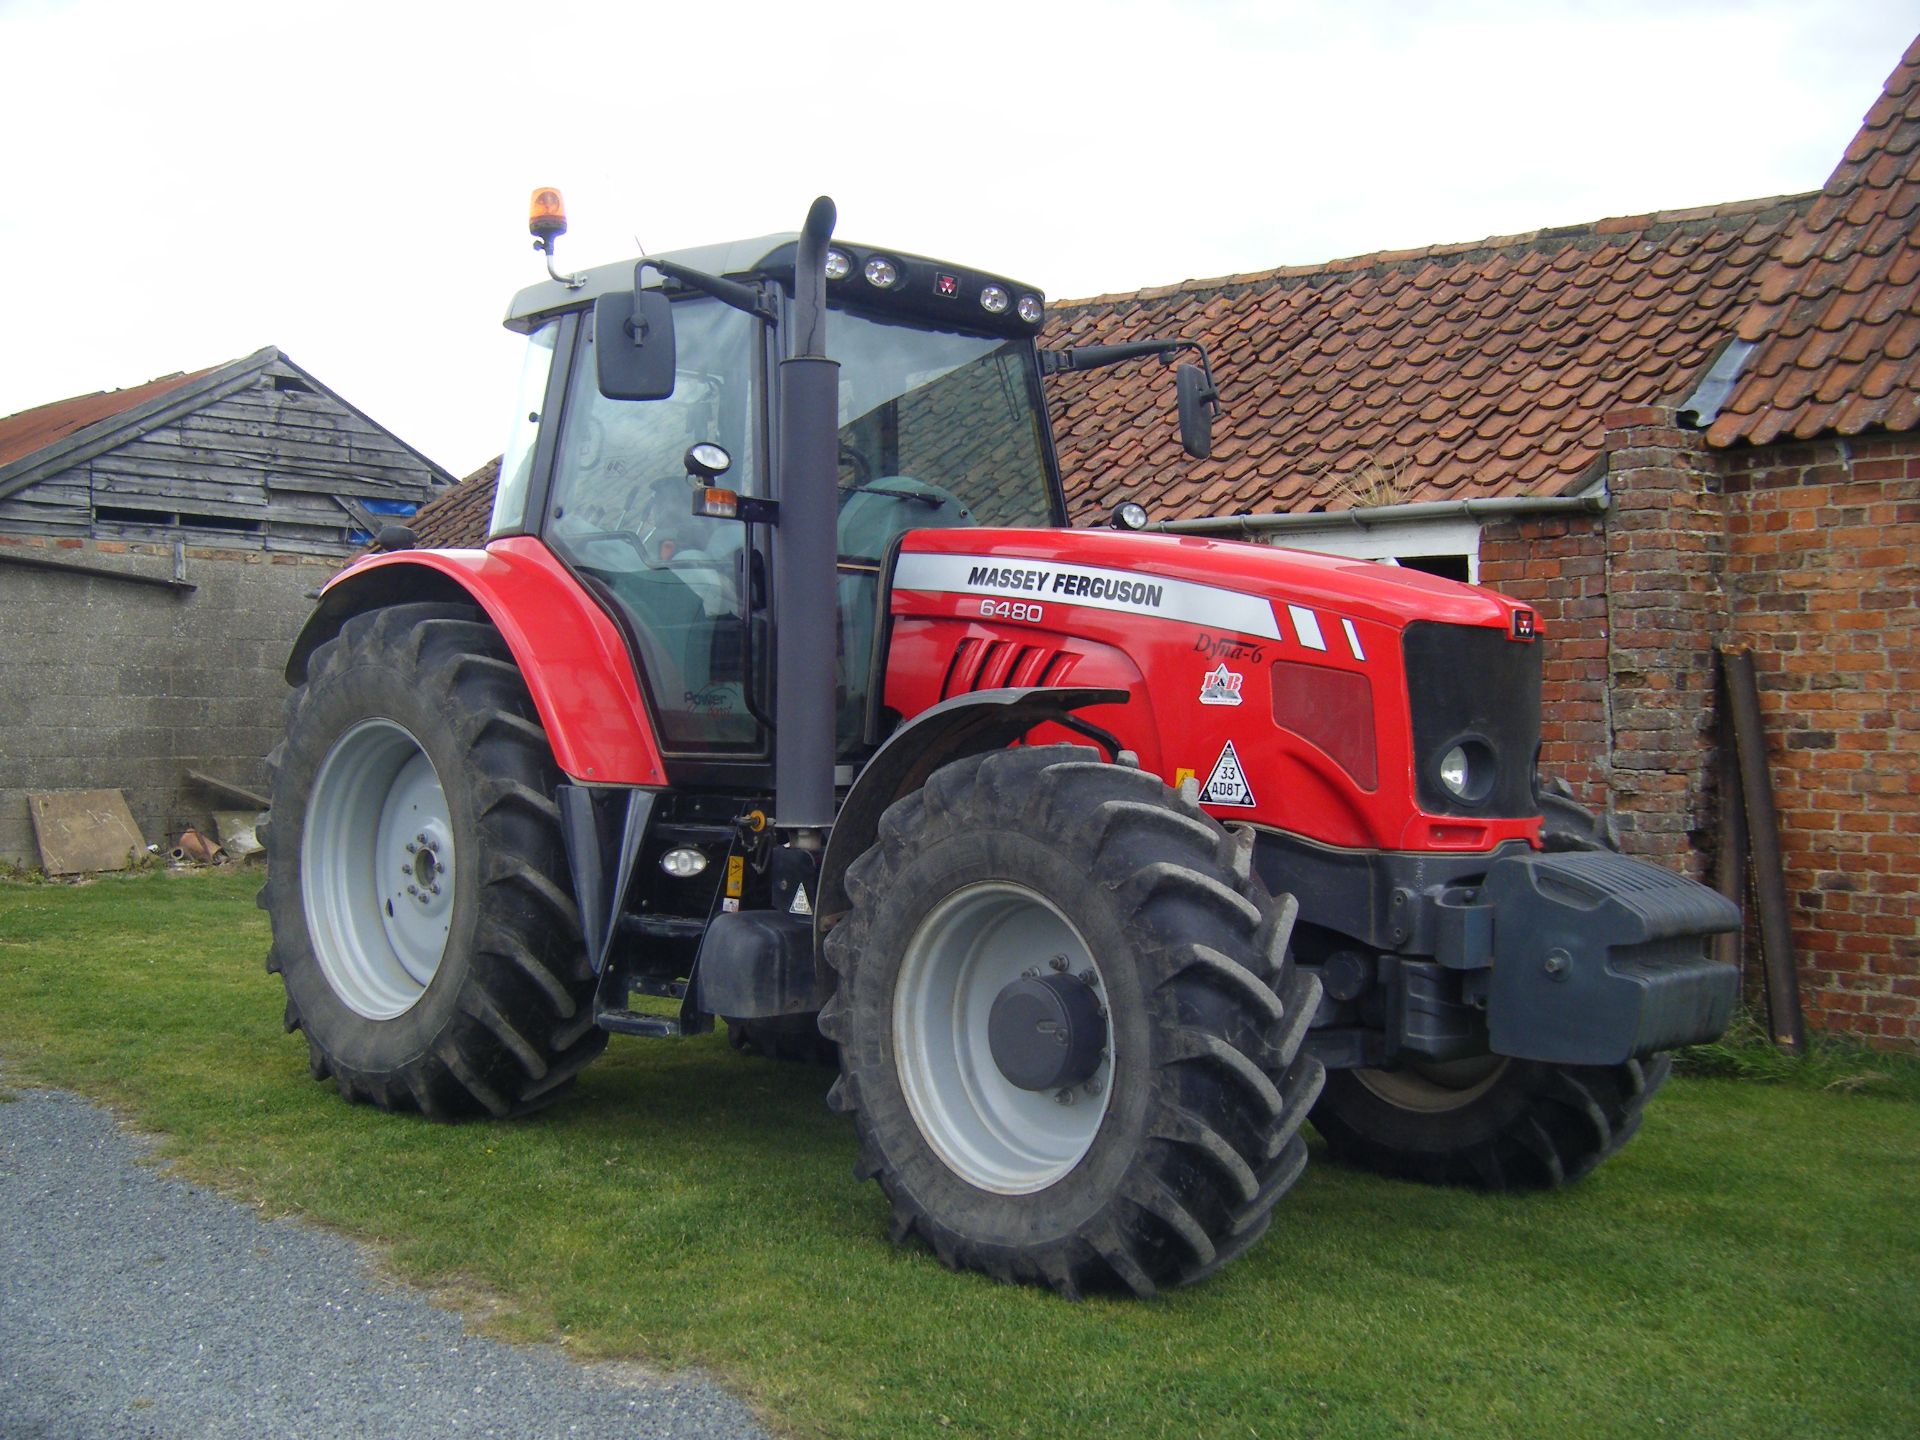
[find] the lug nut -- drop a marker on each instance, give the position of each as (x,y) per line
(411,847)
(1059,962)
(1063,1097)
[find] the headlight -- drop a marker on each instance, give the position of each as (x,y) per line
(994,300)
(882,273)
(1030,309)
(839,264)
(1467,771)
(683,863)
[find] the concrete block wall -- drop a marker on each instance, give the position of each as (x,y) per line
(111,685)
(1821,581)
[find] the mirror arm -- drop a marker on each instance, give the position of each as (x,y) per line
(1095,357)
(728,292)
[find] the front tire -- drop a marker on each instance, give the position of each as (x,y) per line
(416,881)
(1489,1124)
(1151,1149)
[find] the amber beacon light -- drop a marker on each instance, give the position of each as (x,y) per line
(546,214)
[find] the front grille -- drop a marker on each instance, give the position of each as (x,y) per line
(1467,682)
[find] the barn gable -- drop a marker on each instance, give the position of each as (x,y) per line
(255,454)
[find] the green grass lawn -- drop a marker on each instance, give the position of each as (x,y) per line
(1749,1266)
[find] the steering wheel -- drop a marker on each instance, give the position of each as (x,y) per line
(852,459)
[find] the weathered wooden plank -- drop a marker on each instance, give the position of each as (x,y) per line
(26,508)
(50,492)
(362,487)
(317,412)
(185,489)
(252,438)
(263,419)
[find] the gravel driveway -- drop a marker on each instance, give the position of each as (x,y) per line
(136,1305)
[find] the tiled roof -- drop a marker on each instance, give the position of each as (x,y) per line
(1456,371)
(34,430)
(1837,317)
(458,517)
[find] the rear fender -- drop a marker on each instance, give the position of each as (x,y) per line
(569,651)
(965,725)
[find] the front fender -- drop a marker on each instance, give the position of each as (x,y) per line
(965,725)
(569,651)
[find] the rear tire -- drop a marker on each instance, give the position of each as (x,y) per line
(444,974)
(1172,1146)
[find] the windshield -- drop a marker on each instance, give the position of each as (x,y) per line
(936,429)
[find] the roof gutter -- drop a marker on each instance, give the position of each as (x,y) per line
(1593,502)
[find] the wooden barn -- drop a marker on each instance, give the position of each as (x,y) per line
(157,548)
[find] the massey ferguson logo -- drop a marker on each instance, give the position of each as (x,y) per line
(1524,626)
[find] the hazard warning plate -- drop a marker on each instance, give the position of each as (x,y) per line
(1227,782)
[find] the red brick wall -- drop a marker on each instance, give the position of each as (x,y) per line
(1665,545)
(1821,580)
(1558,564)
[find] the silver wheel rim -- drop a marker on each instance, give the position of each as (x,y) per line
(376,869)
(986,1129)
(1436,1087)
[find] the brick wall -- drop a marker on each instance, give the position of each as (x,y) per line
(110,685)
(1631,609)
(1665,547)
(1558,564)
(1821,580)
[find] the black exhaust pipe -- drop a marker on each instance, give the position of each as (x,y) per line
(805,546)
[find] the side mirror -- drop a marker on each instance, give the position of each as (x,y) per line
(633,345)
(1199,403)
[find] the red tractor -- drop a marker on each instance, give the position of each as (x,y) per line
(781,694)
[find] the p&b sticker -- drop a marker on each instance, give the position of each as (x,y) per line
(1221,686)
(1227,784)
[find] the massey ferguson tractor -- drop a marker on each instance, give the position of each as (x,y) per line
(781,693)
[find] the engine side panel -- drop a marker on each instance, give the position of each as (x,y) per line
(1276,681)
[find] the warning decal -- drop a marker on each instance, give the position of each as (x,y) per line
(1227,785)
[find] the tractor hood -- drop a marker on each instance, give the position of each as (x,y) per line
(1227,584)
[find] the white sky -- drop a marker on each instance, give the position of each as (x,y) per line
(186,182)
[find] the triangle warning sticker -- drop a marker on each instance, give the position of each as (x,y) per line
(1227,785)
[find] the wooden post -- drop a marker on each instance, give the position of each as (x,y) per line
(1785,1021)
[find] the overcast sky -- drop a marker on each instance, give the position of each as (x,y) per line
(187,182)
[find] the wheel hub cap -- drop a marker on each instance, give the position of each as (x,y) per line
(1046,1032)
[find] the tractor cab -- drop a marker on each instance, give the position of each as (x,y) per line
(941,424)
